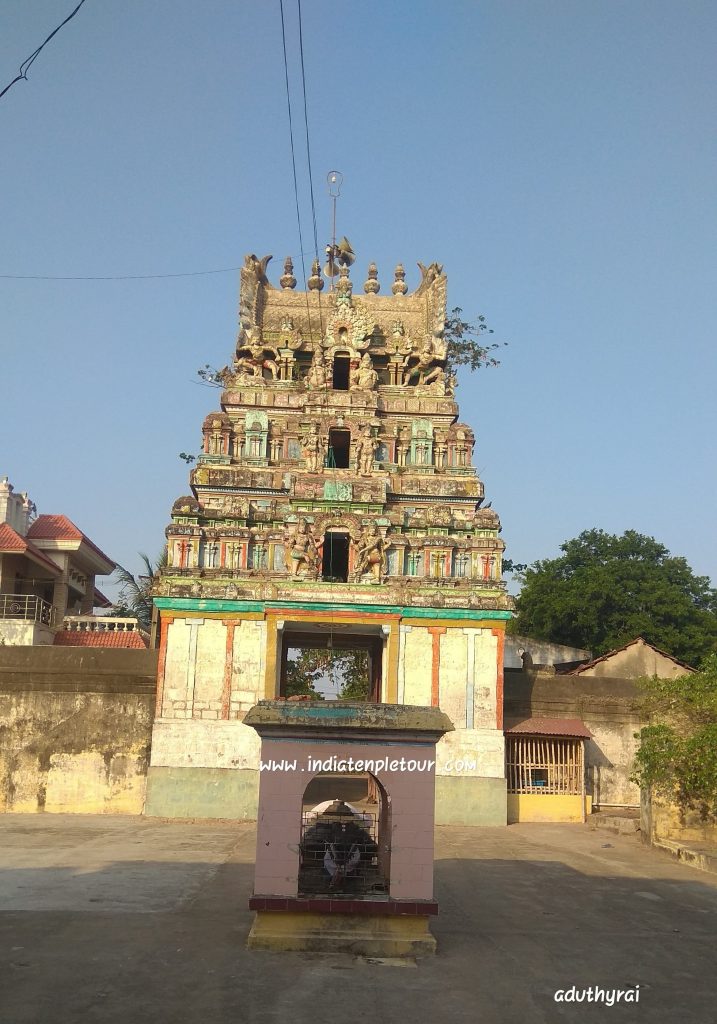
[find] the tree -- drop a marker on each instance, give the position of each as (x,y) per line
(606,590)
(315,665)
(677,758)
(464,342)
(135,596)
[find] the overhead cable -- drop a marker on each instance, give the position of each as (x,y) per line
(27,64)
(293,157)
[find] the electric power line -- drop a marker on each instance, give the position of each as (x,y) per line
(27,64)
(113,277)
(306,124)
(123,277)
(308,155)
(293,158)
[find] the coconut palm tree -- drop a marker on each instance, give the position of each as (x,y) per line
(135,596)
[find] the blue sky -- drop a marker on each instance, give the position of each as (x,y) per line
(558,158)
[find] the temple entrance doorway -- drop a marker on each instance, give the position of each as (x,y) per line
(329,662)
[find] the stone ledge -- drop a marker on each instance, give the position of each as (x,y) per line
(361,717)
(368,935)
(327,905)
(702,859)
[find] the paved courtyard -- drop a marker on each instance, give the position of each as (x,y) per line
(114,919)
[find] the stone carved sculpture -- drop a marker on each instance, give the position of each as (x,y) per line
(366,446)
(313,445)
(287,279)
(441,385)
(364,377)
(425,368)
(349,328)
(428,275)
(319,373)
(300,555)
(371,554)
(439,515)
(252,355)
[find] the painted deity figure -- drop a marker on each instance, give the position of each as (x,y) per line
(300,555)
(442,384)
(366,446)
(364,377)
(371,555)
(252,353)
(317,377)
(312,445)
(424,369)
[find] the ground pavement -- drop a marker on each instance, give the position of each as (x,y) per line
(120,919)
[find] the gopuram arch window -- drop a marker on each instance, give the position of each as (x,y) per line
(335,561)
(339,451)
(342,367)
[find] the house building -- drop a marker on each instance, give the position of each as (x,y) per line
(334,505)
(48,569)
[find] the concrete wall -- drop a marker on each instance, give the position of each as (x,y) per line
(609,707)
(24,633)
(547,807)
(75,729)
(540,652)
(660,820)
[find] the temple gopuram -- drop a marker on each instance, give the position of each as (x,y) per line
(334,505)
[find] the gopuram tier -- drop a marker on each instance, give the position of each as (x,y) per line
(337,468)
(335,490)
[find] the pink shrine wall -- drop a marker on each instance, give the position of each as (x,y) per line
(411,795)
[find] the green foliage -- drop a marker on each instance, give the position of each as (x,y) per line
(304,671)
(677,758)
(510,566)
(464,342)
(314,665)
(606,590)
(212,376)
(135,596)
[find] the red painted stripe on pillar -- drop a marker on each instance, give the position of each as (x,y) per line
(500,636)
(228,662)
(163,630)
(436,632)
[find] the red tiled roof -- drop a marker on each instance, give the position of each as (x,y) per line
(100,638)
(52,527)
(550,727)
(10,540)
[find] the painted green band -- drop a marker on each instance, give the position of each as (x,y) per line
(190,604)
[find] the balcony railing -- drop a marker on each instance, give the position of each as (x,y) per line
(101,624)
(27,607)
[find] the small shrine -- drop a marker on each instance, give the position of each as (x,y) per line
(341,877)
(334,505)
